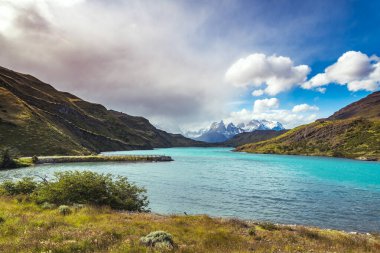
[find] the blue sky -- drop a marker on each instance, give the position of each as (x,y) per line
(184,64)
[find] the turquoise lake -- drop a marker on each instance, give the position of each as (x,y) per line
(325,192)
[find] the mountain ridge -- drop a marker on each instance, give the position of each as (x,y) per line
(37,119)
(218,132)
(351,132)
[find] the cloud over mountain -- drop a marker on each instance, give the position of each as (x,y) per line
(269,109)
(262,105)
(276,73)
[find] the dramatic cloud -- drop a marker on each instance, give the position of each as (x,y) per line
(166,60)
(269,109)
(304,108)
(277,73)
(262,105)
(140,57)
(354,69)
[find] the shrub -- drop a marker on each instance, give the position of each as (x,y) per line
(160,239)
(75,187)
(252,231)
(86,187)
(34,159)
(47,205)
(25,186)
(64,210)
(2,220)
(7,156)
(268,226)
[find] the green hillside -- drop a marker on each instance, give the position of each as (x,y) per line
(37,119)
(352,132)
(251,137)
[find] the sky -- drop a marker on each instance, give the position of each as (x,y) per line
(185,64)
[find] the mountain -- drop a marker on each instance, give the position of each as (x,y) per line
(261,125)
(252,137)
(37,119)
(219,132)
(352,132)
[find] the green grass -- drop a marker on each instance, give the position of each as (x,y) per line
(27,227)
(24,162)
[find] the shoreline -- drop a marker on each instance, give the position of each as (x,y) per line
(37,160)
(361,158)
(102,158)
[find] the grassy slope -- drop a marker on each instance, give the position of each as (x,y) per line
(29,130)
(251,137)
(351,132)
(27,227)
(350,138)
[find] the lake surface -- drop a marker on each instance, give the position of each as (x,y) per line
(325,192)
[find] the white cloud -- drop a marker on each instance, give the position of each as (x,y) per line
(277,73)
(288,118)
(257,93)
(354,69)
(262,105)
(305,108)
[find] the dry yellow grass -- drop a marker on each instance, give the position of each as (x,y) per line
(26,227)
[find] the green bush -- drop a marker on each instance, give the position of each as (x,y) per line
(160,239)
(64,210)
(86,187)
(25,186)
(7,156)
(268,226)
(252,231)
(47,205)
(34,159)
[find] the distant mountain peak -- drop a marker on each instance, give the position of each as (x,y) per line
(219,132)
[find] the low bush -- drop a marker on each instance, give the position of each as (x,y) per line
(268,226)
(252,231)
(25,186)
(7,156)
(64,210)
(86,187)
(47,205)
(159,239)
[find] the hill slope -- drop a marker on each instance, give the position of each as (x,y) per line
(37,119)
(252,137)
(352,132)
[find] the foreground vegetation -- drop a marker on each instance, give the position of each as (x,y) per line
(75,187)
(89,212)
(28,227)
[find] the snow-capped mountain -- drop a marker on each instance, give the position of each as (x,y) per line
(219,132)
(261,125)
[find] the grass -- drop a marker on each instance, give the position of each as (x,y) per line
(24,162)
(27,227)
